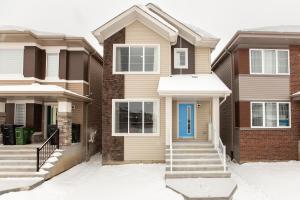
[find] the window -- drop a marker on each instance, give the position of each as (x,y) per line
(135,117)
(136,58)
(180,58)
(11,61)
(269,61)
(20,114)
(52,65)
(270,114)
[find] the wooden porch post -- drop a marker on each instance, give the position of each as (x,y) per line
(168,119)
(215,121)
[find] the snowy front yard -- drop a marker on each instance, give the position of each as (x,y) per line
(259,181)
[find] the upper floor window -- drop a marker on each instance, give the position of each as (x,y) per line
(52,65)
(180,58)
(136,58)
(11,61)
(269,61)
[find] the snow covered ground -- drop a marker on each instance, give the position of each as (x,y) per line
(90,181)
(259,181)
(267,181)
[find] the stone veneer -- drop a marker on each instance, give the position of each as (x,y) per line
(64,124)
(113,88)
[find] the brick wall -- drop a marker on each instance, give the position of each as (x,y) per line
(113,88)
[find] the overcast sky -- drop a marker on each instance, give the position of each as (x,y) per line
(221,18)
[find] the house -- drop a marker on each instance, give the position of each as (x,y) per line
(160,98)
(259,121)
(49,80)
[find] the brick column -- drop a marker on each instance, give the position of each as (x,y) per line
(64,123)
(2,119)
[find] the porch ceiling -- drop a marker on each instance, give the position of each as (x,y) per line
(37,90)
(200,85)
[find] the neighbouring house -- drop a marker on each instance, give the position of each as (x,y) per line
(49,81)
(260,120)
(160,98)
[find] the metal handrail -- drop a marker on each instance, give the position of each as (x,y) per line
(45,151)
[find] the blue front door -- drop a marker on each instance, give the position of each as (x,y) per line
(186,120)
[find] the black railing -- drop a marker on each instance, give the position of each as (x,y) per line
(45,151)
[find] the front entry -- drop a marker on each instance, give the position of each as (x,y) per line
(186,120)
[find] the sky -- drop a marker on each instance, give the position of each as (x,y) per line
(221,18)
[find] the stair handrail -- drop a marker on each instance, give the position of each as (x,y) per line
(171,152)
(45,151)
(222,153)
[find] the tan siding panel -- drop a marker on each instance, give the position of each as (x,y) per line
(202,60)
(78,88)
(145,86)
(264,87)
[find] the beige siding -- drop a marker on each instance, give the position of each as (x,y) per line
(202,60)
(149,148)
(264,87)
(202,120)
(79,88)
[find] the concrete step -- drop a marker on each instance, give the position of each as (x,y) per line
(192,155)
(17,162)
(197,174)
(21,168)
(195,168)
(193,151)
(17,151)
(204,161)
(18,157)
(187,145)
(22,174)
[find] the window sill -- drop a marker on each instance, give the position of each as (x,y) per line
(136,134)
(135,73)
(264,128)
(181,67)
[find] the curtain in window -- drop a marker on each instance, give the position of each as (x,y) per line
(270,115)
(283,61)
(257,114)
(270,61)
(256,61)
(122,59)
(284,114)
(52,65)
(11,61)
(20,114)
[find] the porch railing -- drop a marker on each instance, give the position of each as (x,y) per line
(45,151)
(221,148)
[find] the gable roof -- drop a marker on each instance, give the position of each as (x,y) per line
(159,21)
(142,14)
(191,33)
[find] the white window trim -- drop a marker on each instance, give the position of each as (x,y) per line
(15,113)
(157,101)
(263,62)
(186,66)
(134,45)
(264,113)
(13,47)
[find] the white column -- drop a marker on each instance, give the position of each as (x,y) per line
(216,120)
(168,119)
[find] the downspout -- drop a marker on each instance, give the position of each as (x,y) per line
(225,97)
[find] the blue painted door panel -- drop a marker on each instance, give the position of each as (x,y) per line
(186,120)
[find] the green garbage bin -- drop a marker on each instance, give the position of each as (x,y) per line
(21,137)
(30,132)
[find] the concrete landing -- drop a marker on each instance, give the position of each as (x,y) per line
(203,188)
(18,184)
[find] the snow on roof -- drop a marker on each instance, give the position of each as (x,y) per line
(200,31)
(280,29)
(36,88)
(200,84)
(7,28)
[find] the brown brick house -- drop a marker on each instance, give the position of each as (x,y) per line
(50,79)
(260,120)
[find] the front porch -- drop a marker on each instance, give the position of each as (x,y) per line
(193,145)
